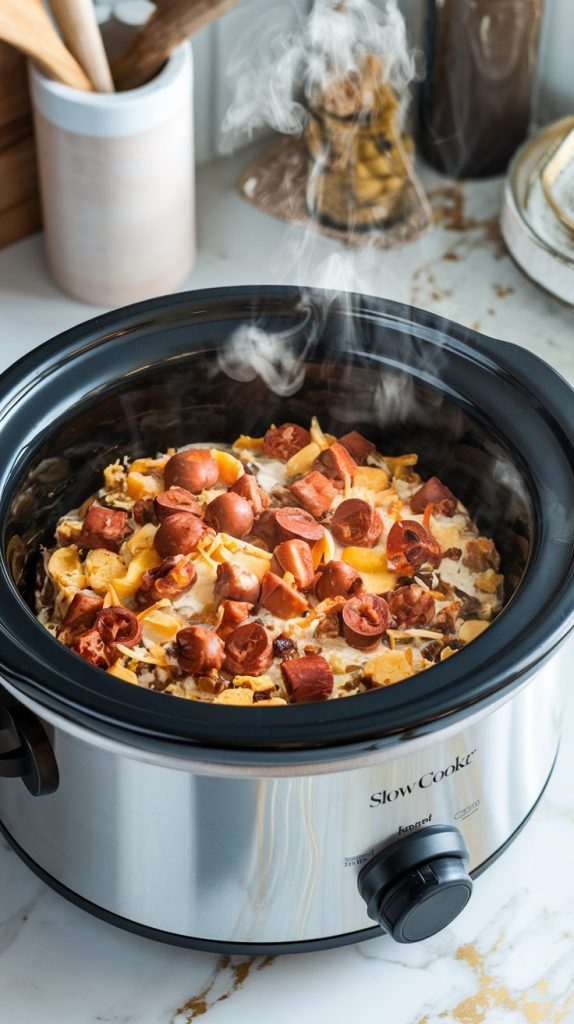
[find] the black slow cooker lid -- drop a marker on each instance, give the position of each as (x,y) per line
(513,397)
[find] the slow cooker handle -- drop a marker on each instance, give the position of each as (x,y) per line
(33,760)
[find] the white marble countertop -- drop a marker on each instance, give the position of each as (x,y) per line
(509,958)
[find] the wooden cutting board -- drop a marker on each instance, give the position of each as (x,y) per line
(19,199)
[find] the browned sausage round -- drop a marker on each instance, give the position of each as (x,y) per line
(144,511)
(295,522)
(172,578)
(194,469)
(175,499)
(92,648)
(248,488)
(356,522)
(179,534)
(337,463)
(357,446)
(337,579)
(280,599)
(236,583)
(294,556)
(411,606)
(199,649)
(410,546)
(117,625)
(104,528)
(365,619)
(229,513)
(308,678)
(249,650)
(234,612)
(284,441)
(82,611)
(436,493)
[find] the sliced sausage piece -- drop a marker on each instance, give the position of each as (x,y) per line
(82,611)
(175,499)
(309,678)
(295,522)
(118,625)
(104,528)
(434,492)
(199,649)
(315,491)
(234,613)
(365,618)
(410,546)
(236,583)
(337,579)
(356,522)
(248,488)
(280,599)
(411,606)
(144,511)
(249,650)
(284,441)
(337,463)
(92,648)
(230,513)
(294,556)
(172,578)
(194,469)
(179,534)
(357,446)
(265,532)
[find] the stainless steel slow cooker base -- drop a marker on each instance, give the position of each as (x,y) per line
(227,857)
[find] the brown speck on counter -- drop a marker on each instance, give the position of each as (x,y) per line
(238,971)
(502,290)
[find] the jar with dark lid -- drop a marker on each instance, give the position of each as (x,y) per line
(476,97)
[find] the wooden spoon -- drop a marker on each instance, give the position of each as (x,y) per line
(81,34)
(171,23)
(26,25)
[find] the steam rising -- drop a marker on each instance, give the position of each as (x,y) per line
(274,85)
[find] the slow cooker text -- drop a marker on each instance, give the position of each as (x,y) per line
(388,796)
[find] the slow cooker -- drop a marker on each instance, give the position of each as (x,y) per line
(284,829)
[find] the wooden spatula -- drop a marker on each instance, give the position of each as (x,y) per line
(81,34)
(26,25)
(171,23)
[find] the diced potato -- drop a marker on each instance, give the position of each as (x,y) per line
(379,582)
(447,536)
(303,460)
(241,695)
(68,530)
(142,539)
(471,629)
(371,477)
(65,567)
(114,476)
(395,462)
(127,585)
(323,550)
(148,465)
(259,684)
(123,673)
(158,627)
(111,600)
(270,702)
(143,485)
(489,581)
(102,567)
(251,443)
(389,667)
(230,468)
(364,559)
(260,566)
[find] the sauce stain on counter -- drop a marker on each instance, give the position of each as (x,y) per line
(220,988)
(531,1006)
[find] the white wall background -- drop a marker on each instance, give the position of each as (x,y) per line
(244,25)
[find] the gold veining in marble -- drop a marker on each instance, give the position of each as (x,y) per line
(238,970)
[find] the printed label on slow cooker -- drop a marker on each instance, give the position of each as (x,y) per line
(358,859)
(465,812)
(427,779)
(402,829)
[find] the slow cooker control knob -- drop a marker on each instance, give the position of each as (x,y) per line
(417,885)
